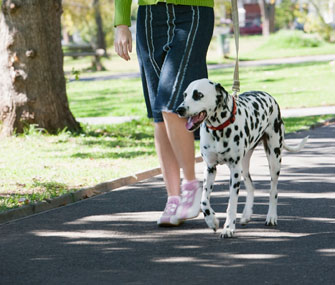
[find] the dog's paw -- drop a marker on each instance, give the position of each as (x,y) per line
(244,220)
(271,221)
(227,233)
(212,222)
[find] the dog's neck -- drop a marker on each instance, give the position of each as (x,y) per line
(223,115)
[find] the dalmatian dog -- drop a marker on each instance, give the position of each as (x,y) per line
(231,128)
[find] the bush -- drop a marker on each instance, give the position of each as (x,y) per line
(293,39)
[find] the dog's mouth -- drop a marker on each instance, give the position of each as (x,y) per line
(195,121)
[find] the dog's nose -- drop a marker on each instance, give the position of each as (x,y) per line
(181,111)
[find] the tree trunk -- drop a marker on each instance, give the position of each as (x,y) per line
(100,40)
(268,16)
(32,82)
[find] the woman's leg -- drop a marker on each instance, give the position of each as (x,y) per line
(167,160)
(182,143)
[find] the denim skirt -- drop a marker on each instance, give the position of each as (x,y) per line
(172,43)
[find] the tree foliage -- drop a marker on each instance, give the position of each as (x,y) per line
(79,17)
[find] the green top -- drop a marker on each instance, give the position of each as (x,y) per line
(122,7)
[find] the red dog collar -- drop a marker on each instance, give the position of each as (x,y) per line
(228,122)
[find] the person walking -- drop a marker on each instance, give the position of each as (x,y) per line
(172,39)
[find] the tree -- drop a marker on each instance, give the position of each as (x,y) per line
(268,15)
(32,82)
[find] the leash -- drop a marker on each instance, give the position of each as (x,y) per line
(236,83)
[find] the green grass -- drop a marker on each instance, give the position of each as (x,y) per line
(106,98)
(51,165)
(293,86)
(279,45)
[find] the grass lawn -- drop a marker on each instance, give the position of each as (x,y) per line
(300,85)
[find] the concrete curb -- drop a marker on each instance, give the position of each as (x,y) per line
(84,193)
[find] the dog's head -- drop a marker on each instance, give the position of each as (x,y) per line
(201,99)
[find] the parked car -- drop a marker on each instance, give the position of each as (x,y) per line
(253,27)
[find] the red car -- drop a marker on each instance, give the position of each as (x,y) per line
(251,28)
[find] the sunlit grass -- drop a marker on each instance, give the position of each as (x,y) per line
(293,86)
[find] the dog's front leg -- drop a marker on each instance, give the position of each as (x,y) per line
(234,189)
(209,214)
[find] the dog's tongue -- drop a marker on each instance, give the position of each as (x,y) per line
(193,120)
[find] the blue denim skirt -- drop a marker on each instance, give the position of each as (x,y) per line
(172,43)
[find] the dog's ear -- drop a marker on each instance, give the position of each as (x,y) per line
(221,93)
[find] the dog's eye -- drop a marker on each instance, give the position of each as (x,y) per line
(197,95)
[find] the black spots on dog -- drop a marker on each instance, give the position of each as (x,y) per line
(271,110)
(236,175)
(219,99)
(251,123)
(255,105)
(246,128)
(278,173)
(237,160)
(211,169)
(236,127)
(256,123)
(206,213)
(197,96)
(237,139)
(265,139)
(210,82)
(246,113)
(241,134)
(234,222)
(277,151)
(204,203)
(184,95)
(228,132)
(205,147)
(263,117)
(216,135)
(213,118)
(231,160)
(245,144)
(224,152)
(225,144)
(237,191)
(276,125)
(239,112)
(276,196)
(223,114)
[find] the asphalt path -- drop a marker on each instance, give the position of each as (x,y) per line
(113,238)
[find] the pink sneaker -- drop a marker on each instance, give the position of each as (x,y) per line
(169,218)
(190,200)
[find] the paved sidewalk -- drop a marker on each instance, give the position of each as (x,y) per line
(113,238)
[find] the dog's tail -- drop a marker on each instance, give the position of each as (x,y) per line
(296,148)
